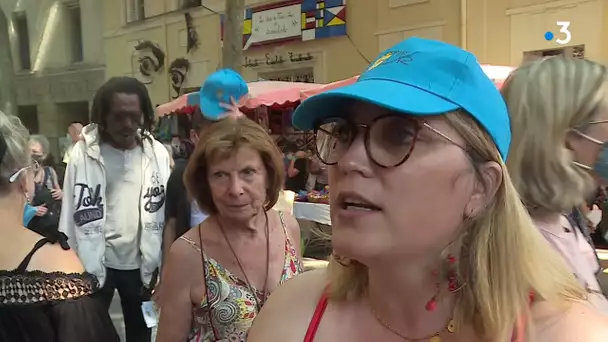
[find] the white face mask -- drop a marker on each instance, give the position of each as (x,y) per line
(595,215)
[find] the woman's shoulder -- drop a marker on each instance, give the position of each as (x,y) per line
(288,311)
(50,253)
(289,221)
(52,258)
(575,321)
(186,249)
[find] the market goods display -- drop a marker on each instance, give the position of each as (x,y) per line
(314,196)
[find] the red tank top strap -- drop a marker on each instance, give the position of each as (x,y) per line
(518,333)
(316,318)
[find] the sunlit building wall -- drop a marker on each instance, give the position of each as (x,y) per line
(499,32)
(512,31)
(334,39)
(58,61)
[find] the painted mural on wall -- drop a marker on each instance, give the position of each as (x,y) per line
(294,20)
(178,71)
(150,59)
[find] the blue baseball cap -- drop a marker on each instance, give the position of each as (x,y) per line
(218,88)
(420,77)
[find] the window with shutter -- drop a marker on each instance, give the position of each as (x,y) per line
(135,10)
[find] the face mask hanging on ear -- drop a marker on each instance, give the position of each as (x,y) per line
(601,165)
(29,211)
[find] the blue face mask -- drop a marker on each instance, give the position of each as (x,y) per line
(29,212)
(601,165)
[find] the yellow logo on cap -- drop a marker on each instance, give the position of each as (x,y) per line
(219,94)
(380,60)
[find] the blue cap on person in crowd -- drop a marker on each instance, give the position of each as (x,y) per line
(420,77)
(218,88)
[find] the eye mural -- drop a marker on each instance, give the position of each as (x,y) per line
(151,60)
(178,71)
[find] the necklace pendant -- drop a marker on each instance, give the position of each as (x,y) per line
(435,339)
(451,326)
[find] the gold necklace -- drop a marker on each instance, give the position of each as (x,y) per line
(450,327)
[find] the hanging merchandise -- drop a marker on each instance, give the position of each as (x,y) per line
(169,125)
(163,130)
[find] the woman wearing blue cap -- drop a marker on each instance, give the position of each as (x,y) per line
(560,128)
(424,128)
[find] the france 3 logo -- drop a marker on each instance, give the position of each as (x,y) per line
(565,36)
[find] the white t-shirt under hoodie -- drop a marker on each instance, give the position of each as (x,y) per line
(124,169)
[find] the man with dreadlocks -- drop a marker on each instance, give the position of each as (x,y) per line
(114,197)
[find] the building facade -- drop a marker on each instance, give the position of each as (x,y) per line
(56,49)
(293,43)
(172,45)
(508,32)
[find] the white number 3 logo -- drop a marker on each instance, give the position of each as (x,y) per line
(565,25)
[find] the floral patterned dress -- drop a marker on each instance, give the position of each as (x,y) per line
(232,305)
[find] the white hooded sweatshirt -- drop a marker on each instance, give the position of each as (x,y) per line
(83,212)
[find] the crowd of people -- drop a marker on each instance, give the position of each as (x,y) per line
(457,213)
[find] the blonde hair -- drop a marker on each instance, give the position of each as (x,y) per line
(221,140)
(502,257)
(546,99)
(17,153)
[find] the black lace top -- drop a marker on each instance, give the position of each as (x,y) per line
(51,307)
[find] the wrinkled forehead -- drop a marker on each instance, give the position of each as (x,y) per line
(233,155)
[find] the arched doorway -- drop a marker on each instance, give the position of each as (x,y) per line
(8,93)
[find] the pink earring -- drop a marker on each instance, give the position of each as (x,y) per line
(452,284)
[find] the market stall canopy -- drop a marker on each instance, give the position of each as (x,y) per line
(269,93)
(172,106)
(496,73)
(326,87)
(261,93)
